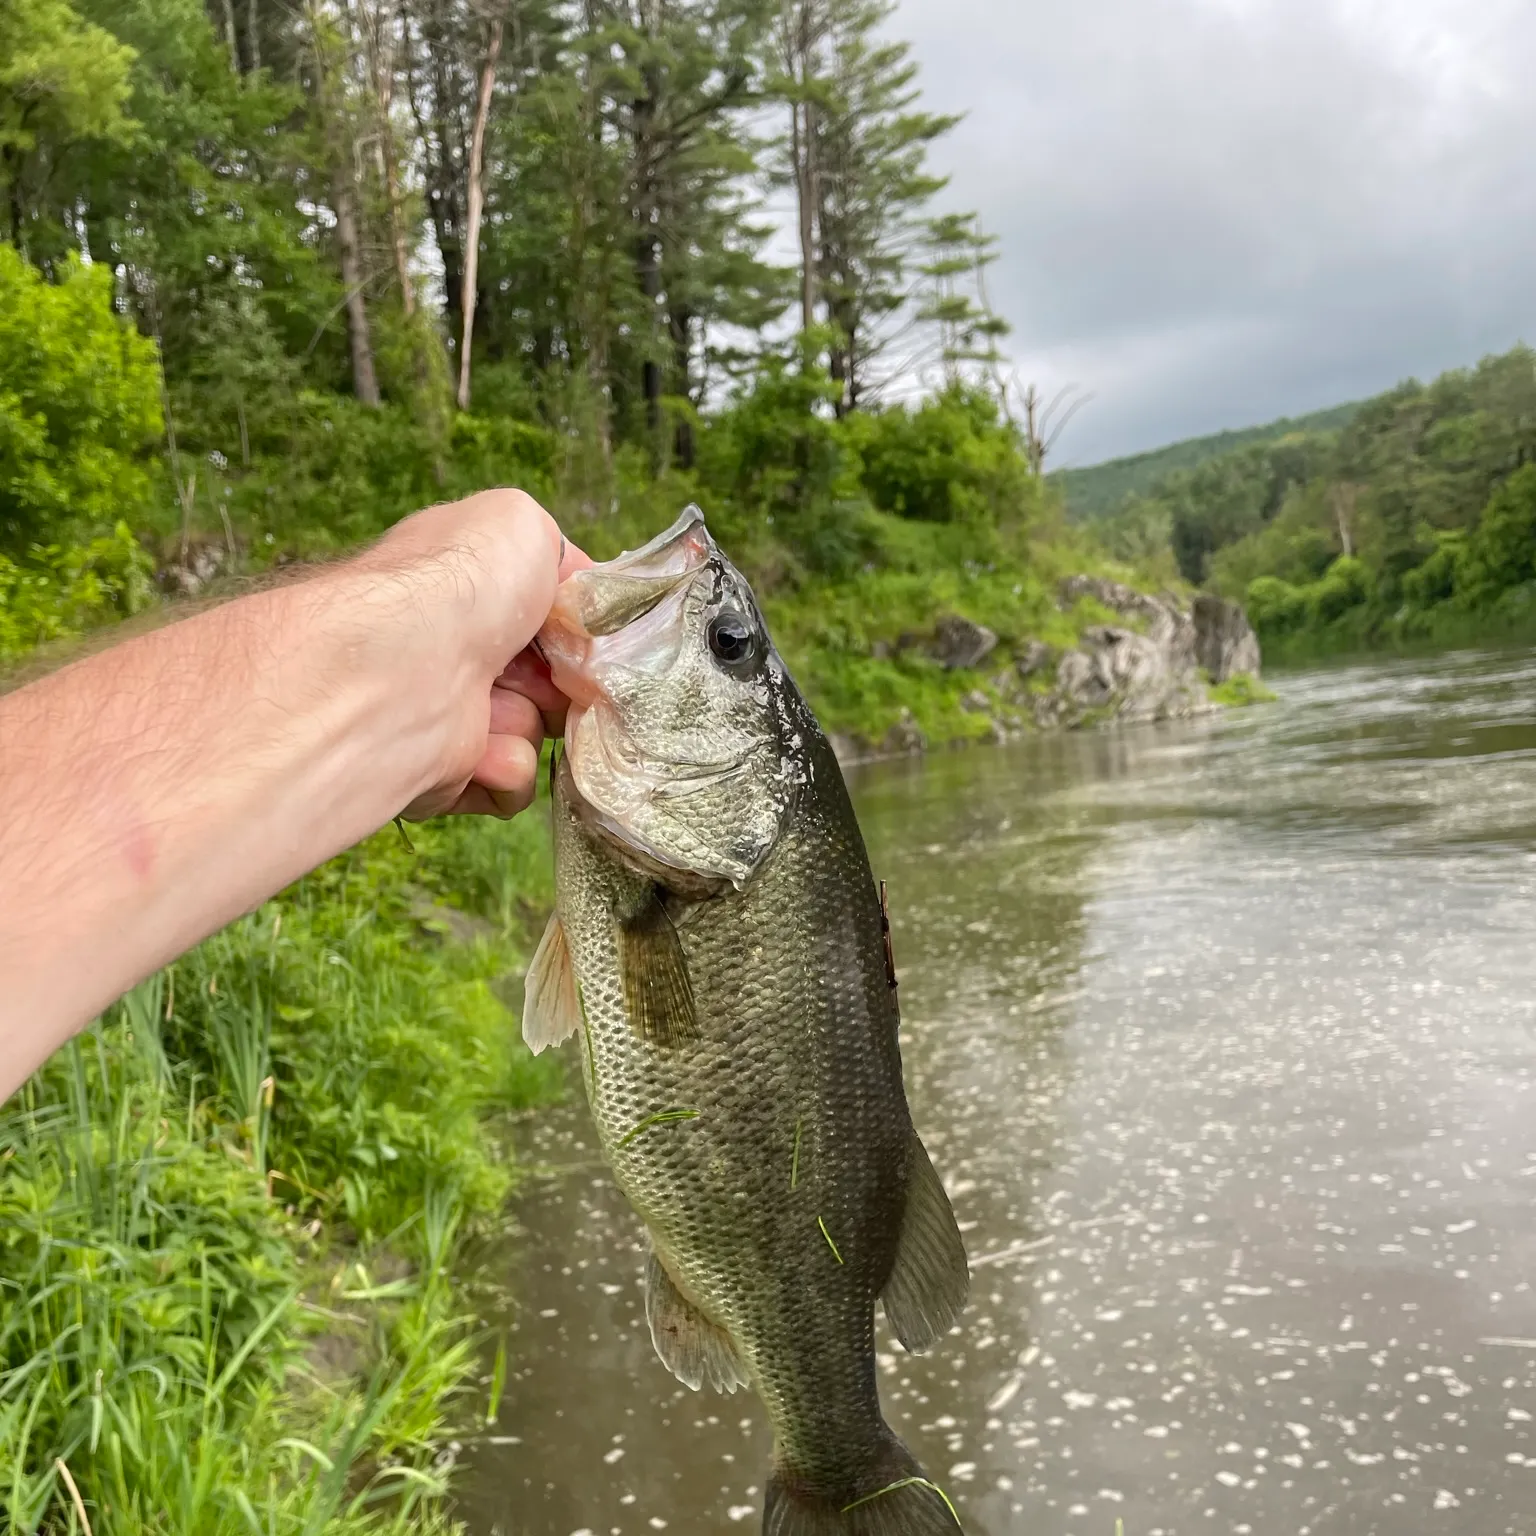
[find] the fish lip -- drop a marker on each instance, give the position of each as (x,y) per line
(568,640)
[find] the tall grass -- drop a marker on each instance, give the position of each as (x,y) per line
(228,1212)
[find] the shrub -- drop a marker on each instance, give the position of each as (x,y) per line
(79,406)
(61,591)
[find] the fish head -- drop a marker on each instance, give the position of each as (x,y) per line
(682,741)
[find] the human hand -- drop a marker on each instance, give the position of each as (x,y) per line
(480,575)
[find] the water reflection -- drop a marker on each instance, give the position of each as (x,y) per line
(1223,1038)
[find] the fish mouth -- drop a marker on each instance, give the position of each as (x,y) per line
(613,623)
(625,609)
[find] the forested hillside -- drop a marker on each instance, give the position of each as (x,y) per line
(1098,490)
(1415,522)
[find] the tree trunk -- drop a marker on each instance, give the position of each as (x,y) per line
(646,215)
(476,204)
(230,35)
(253,35)
(365,381)
(800,47)
(383,63)
(680,324)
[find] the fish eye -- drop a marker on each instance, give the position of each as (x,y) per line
(732,639)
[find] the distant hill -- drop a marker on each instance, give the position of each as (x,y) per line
(1099,489)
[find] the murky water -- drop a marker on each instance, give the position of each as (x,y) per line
(1224,1039)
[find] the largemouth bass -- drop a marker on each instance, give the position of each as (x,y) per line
(721,951)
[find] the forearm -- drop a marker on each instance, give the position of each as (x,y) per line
(151,794)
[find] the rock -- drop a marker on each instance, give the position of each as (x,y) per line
(961,643)
(1150,672)
(1036,658)
(189,576)
(1225,643)
(905,737)
(975,702)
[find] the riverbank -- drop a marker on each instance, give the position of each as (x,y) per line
(228,1212)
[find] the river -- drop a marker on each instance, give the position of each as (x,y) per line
(1223,1036)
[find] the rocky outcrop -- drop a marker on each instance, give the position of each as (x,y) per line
(1225,643)
(1153,666)
(1151,672)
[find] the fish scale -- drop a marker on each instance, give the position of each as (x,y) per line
(742,1063)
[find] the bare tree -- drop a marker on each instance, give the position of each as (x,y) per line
(1043,420)
(476,199)
(802,30)
(1342,496)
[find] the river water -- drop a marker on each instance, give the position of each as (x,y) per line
(1223,1037)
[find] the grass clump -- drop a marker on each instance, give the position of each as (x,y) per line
(1239,691)
(228,1212)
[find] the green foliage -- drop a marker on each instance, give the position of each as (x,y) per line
(1416,519)
(1240,691)
(1104,490)
(57,592)
(949,459)
(79,406)
(176,1182)
(62,80)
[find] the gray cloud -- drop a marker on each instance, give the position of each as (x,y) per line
(1214,212)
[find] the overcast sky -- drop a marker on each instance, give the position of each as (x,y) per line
(1216,212)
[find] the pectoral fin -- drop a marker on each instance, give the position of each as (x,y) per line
(551,1003)
(658,997)
(930,1279)
(696,1351)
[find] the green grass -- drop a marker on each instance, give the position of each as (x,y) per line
(228,1212)
(841,638)
(1240,691)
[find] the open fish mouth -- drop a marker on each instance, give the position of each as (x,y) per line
(618,638)
(626,611)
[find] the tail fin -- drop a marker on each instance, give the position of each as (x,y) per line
(893,1499)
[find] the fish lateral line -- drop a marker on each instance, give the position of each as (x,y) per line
(830,1244)
(661,1117)
(896,1487)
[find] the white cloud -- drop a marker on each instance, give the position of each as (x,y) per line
(1214,211)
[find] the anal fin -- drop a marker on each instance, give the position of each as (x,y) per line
(658,996)
(930,1278)
(551,1003)
(698,1352)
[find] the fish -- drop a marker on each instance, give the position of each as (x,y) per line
(721,951)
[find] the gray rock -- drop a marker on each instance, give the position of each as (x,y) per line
(905,737)
(1225,643)
(959,642)
(976,702)
(1149,672)
(1036,658)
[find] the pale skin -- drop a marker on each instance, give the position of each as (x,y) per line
(155,791)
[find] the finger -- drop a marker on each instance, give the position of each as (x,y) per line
(528,674)
(515,714)
(572,558)
(509,769)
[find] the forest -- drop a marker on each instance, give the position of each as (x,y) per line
(1412,524)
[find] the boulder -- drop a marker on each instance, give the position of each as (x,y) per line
(961,643)
(1225,643)
(1036,657)
(904,738)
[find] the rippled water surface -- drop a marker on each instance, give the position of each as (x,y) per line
(1223,1037)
